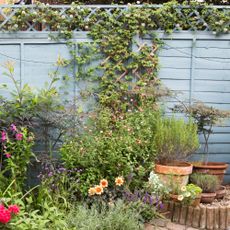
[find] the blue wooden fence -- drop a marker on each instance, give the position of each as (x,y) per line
(194,65)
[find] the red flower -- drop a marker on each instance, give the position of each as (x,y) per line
(14,209)
(4,215)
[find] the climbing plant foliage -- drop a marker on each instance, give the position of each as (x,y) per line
(125,78)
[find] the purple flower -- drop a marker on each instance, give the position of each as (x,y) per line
(3,138)
(13,127)
(50,174)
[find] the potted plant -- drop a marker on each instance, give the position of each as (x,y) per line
(206,117)
(208,184)
(174,141)
(186,195)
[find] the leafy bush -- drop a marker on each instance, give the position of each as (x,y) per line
(207,183)
(111,146)
(175,139)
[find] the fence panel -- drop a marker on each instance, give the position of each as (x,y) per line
(195,66)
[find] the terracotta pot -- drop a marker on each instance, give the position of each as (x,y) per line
(208,197)
(174,197)
(217,169)
(197,200)
(176,172)
(220,193)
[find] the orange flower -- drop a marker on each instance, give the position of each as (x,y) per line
(91,191)
(98,189)
(119,181)
(104,183)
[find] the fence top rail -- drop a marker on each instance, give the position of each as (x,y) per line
(107,6)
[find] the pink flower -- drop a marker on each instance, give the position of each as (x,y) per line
(19,136)
(1,207)
(4,216)
(3,138)
(8,155)
(13,127)
(14,209)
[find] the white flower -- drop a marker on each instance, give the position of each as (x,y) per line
(23,12)
(138,2)
(43,20)
(180,197)
(16,25)
(71,16)
(225,30)
(63,16)
(187,194)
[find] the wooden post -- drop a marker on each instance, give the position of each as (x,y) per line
(216,217)
(223,217)
(189,216)
(176,213)
(183,214)
(171,209)
(202,216)
(196,217)
(210,218)
(228,217)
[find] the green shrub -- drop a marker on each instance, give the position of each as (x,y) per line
(175,139)
(208,183)
(123,147)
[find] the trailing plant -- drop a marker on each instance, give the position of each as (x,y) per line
(207,183)
(181,138)
(205,117)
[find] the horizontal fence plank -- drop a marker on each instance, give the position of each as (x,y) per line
(177,84)
(208,74)
(212,97)
(210,52)
(175,63)
(217,138)
(167,73)
(212,86)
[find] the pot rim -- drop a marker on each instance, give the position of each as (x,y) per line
(211,165)
(180,168)
(208,194)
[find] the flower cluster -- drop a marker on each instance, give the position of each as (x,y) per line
(99,189)
(6,214)
(156,185)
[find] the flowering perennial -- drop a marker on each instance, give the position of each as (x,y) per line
(6,214)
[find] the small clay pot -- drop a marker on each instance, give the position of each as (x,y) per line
(197,200)
(220,193)
(208,197)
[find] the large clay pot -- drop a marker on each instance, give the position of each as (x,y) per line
(177,172)
(208,197)
(220,193)
(217,169)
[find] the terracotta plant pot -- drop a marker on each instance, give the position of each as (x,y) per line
(220,193)
(176,172)
(208,197)
(217,169)
(197,200)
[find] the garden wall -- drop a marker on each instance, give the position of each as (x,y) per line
(195,66)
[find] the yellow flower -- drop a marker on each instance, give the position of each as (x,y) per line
(180,197)
(183,188)
(91,191)
(98,190)
(119,181)
(104,183)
